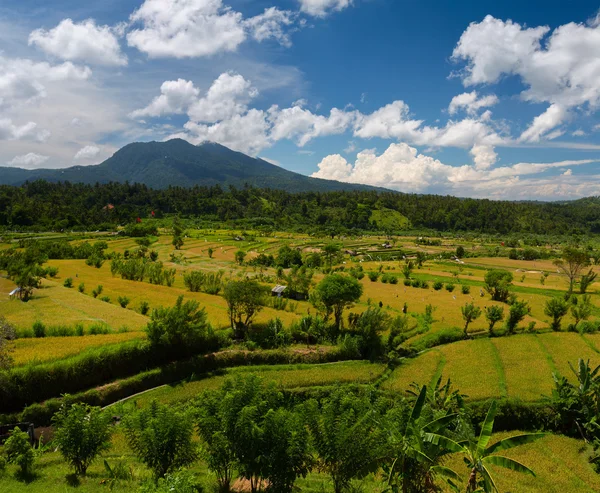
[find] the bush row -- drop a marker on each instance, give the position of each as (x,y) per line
(25,385)
(41,413)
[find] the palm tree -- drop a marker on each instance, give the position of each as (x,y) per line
(479,456)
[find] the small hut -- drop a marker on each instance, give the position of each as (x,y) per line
(278,290)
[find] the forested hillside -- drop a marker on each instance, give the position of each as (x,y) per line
(42,205)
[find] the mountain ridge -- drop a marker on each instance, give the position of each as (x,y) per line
(176,162)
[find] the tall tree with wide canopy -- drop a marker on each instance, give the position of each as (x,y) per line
(337,292)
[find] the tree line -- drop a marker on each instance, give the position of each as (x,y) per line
(59,206)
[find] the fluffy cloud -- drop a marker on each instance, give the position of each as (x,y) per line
(246,133)
(393,122)
(320,8)
(87,152)
(31,159)
(175,98)
(471,102)
(303,125)
(564,70)
(228,96)
(402,168)
(186,28)
(29,130)
(22,81)
(483,156)
(542,124)
(85,42)
(271,24)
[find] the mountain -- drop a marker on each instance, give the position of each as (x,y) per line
(179,163)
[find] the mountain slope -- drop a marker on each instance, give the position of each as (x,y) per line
(179,163)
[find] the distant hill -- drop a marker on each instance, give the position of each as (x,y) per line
(179,163)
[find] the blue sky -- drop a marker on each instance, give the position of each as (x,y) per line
(482,99)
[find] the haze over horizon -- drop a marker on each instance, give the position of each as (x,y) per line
(476,99)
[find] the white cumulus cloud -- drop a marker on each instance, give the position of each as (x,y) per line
(87,152)
(85,42)
(320,8)
(30,159)
(175,98)
(471,102)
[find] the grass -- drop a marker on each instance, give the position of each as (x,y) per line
(285,376)
(527,373)
(418,370)
(53,348)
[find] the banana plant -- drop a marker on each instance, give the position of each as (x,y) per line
(479,456)
(415,464)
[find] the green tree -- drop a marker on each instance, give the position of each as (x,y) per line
(586,281)
(498,283)
(493,314)
(19,452)
(240,255)
(244,300)
(571,264)
(517,312)
(177,234)
(81,433)
(287,257)
(582,310)
(556,308)
(284,444)
(337,292)
(184,325)
(460,251)
(346,437)
(470,313)
(161,437)
(407,269)
(331,252)
(210,252)
(479,456)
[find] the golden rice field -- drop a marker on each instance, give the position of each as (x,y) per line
(561,465)
(52,348)
(519,366)
(285,376)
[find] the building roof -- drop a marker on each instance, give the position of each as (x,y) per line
(278,289)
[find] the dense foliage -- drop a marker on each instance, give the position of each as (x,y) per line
(42,205)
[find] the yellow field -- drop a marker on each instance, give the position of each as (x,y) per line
(418,370)
(561,465)
(50,348)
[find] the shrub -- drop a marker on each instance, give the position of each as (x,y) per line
(39,329)
(161,437)
(424,285)
(81,433)
(123,301)
(19,452)
(518,311)
(407,282)
(81,288)
(52,271)
(270,336)
(68,282)
(416,283)
(373,276)
(437,285)
(183,325)
(178,482)
(98,291)
(449,287)
(144,307)
(79,329)
(106,299)
(465,289)
(497,283)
